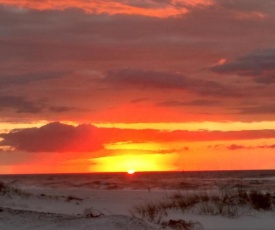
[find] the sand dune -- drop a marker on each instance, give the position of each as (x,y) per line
(11,219)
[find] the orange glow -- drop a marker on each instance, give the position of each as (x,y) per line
(193,126)
(99,7)
(130,113)
(160,154)
(8,126)
(159,10)
(222,61)
(144,162)
(133,146)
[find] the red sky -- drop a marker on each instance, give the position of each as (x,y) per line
(136,84)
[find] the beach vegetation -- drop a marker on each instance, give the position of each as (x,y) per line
(92,213)
(181,224)
(9,190)
(73,198)
(261,200)
(229,203)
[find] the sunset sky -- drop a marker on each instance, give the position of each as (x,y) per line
(147,85)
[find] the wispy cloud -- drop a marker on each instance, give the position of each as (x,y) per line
(258,109)
(29,77)
(151,8)
(177,103)
(238,147)
(20,104)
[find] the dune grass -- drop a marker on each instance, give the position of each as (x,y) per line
(229,203)
(9,190)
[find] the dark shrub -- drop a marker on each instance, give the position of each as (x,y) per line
(6,189)
(181,225)
(243,196)
(3,188)
(71,198)
(260,200)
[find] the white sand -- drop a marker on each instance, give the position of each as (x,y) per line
(114,204)
(27,220)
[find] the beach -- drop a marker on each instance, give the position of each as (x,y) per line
(27,204)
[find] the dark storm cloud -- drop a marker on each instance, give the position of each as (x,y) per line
(149,79)
(189,103)
(20,104)
(54,137)
(260,65)
(252,64)
(23,105)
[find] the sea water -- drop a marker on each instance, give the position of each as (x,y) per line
(253,179)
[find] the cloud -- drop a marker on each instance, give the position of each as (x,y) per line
(267,146)
(61,109)
(58,137)
(169,151)
(20,104)
(237,147)
(41,41)
(146,79)
(259,65)
(138,100)
(24,78)
(53,137)
(215,147)
(249,5)
(257,109)
(113,135)
(150,8)
(151,79)
(189,103)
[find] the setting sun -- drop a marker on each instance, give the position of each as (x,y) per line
(131,171)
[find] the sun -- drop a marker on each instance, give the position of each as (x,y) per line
(131,171)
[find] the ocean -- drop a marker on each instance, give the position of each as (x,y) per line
(250,179)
